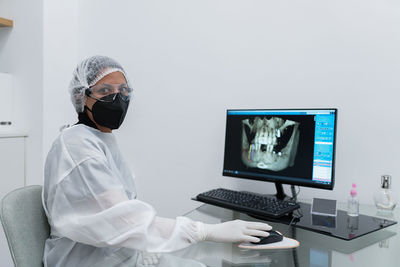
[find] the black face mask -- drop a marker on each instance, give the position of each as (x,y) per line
(110,114)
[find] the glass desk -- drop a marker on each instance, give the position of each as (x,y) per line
(379,248)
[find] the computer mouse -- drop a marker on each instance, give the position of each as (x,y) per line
(273,237)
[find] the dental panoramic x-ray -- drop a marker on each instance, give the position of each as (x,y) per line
(269,143)
(262,145)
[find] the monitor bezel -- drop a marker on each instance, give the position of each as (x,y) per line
(277,180)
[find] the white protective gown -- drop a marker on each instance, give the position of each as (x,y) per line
(90,200)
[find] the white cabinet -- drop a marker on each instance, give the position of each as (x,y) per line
(7,95)
(12,176)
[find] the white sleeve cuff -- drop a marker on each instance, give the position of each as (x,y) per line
(194,229)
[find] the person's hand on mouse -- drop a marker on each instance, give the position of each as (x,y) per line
(235,231)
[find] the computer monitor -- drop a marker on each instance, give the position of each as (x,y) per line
(285,146)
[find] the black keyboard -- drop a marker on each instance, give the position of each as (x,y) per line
(248,202)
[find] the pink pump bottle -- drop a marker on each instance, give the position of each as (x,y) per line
(352,202)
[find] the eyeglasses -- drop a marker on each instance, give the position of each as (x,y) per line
(107,92)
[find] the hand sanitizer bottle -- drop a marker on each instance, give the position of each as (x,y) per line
(352,202)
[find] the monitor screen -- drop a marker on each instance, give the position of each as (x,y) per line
(288,146)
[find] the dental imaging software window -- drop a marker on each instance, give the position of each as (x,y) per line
(292,146)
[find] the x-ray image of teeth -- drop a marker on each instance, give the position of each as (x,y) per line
(269,144)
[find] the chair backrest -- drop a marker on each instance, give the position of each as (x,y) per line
(25,225)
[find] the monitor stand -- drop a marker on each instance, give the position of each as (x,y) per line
(280,194)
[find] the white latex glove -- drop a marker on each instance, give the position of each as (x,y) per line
(235,231)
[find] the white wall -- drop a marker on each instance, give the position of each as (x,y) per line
(191,60)
(60,46)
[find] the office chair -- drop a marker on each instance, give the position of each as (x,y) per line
(25,225)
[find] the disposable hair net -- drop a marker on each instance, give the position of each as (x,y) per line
(87,74)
